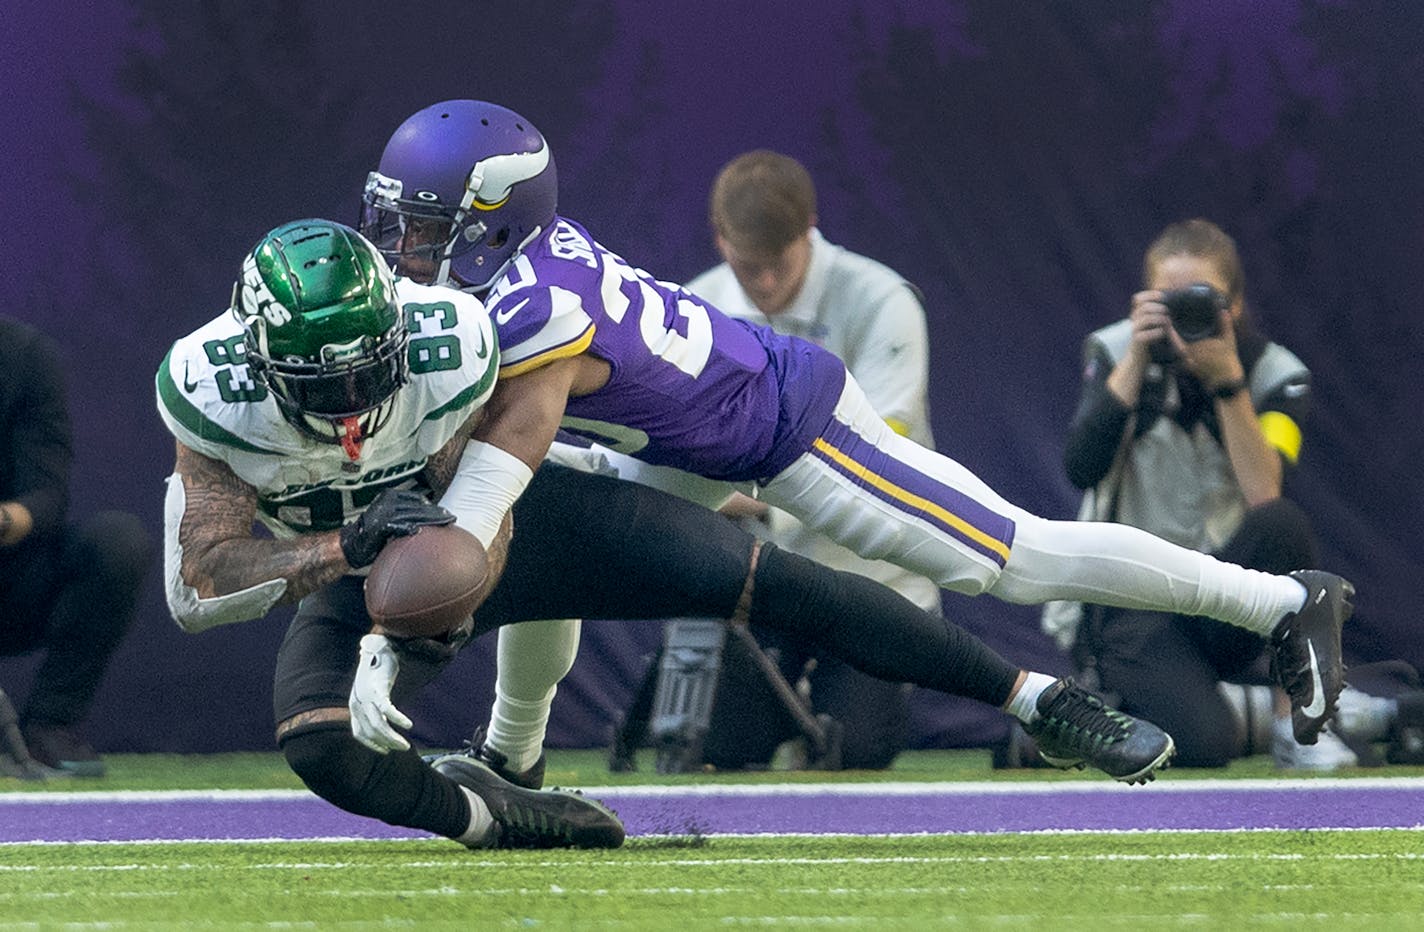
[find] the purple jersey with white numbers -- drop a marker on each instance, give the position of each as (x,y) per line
(690,387)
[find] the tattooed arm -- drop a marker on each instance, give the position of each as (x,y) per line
(441,465)
(219,553)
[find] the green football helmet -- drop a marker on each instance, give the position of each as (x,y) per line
(324,331)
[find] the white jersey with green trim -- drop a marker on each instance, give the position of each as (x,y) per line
(210,402)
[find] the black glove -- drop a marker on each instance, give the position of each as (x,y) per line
(393,513)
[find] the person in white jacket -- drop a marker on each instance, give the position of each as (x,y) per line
(779,270)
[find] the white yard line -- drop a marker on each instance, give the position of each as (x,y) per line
(641,863)
(770,836)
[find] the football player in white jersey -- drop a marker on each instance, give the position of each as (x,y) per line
(322,404)
(333,404)
(466,194)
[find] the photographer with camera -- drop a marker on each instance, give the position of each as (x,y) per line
(1188,422)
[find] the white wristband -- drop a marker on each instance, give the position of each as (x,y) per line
(486,484)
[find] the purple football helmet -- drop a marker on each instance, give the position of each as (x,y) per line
(463,186)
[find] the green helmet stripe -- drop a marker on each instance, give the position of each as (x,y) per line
(474,391)
(187,414)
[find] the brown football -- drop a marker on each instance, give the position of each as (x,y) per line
(426,585)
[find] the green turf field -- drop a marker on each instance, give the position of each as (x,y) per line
(1268,879)
(1358,880)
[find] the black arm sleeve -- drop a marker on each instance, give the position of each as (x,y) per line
(38,448)
(1097,425)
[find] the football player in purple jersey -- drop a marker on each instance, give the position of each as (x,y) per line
(465,195)
(324,361)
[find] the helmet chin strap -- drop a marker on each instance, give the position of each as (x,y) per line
(351,437)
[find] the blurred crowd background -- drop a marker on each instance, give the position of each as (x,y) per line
(1012,159)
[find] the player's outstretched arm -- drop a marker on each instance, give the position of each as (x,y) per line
(524,411)
(216,571)
(509,442)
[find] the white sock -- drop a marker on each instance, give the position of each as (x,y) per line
(532,657)
(1121,566)
(1023,705)
(481,831)
(517,728)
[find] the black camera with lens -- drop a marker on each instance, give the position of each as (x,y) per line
(1195,311)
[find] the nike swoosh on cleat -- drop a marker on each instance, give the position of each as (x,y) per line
(1317,688)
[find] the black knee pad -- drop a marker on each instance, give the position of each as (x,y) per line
(332,763)
(398,788)
(795,596)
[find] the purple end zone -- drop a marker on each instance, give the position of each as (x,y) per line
(32,817)
(187,818)
(1001,812)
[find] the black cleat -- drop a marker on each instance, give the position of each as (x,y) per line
(530,779)
(1305,658)
(534,818)
(1075,728)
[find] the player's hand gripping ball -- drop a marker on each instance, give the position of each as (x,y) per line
(427,584)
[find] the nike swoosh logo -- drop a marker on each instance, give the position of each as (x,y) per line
(187,385)
(1317,688)
(502,317)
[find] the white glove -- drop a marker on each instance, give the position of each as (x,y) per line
(372,713)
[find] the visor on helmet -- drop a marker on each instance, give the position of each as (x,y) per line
(348,381)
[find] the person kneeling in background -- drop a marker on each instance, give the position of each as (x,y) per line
(1188,426)
(66,588)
